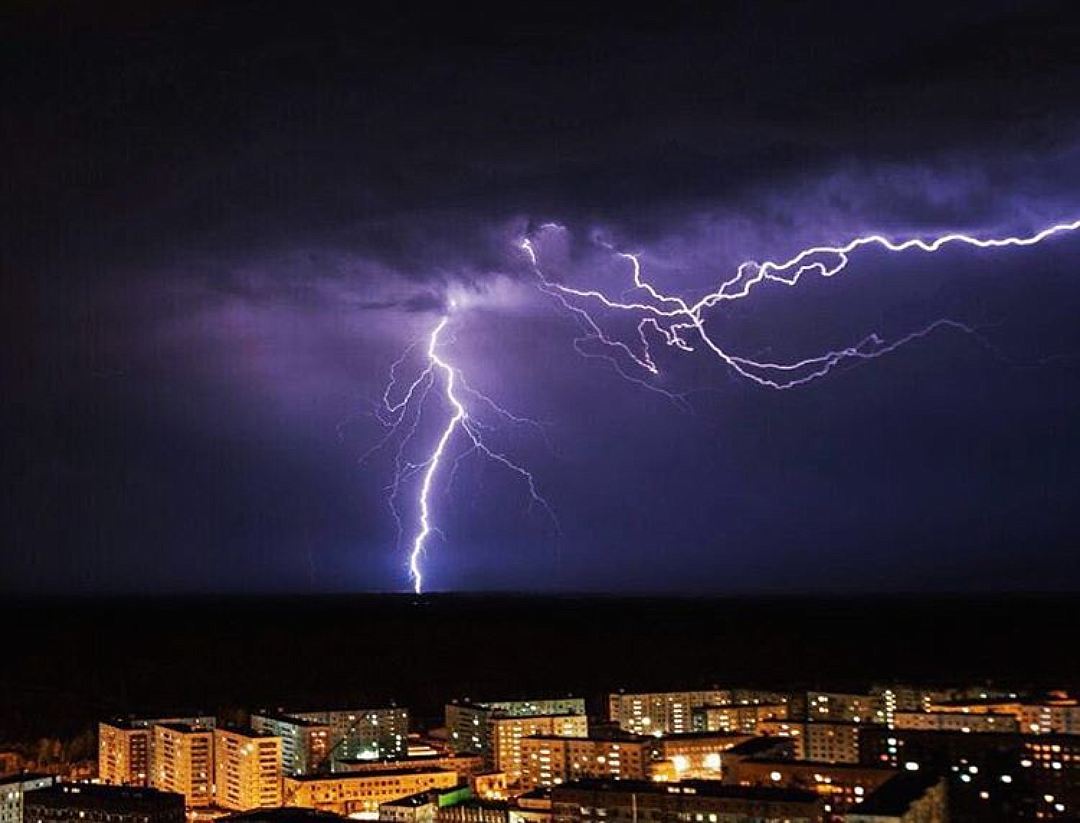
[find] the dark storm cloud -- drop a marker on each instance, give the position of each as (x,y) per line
(221,223)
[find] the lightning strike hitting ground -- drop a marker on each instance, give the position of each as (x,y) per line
(402,419)
(675,321)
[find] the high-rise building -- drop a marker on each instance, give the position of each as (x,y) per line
(13,788)
(247,769)
(125,747)
(471,724)
(183,762)
(507,734)
(88,803)
(305,744)
(662,712)
(363,792)
(369,733)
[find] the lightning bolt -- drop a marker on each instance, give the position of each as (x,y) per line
(402,418)
(672,320)
(677,322)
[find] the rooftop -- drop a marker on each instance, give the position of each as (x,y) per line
(699,788)
(756,745)
(280,716)
(91,795)
(186,728)
(24,777)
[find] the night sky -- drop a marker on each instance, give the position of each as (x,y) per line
(221,223)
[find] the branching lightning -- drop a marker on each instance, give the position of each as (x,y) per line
(679,323)
(672,320)
(402,417)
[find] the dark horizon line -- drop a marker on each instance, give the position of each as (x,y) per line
(37,598)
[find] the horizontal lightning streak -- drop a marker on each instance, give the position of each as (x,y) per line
(671,317)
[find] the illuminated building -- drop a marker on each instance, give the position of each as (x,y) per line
(12,789)
(1051,765)
(992,776)
(488,785)
(737,717)
(845,707)
(364,792)
(183,762)
(1052,716)
(906,798)
(548,760)
(697,754)
(471,724)
(364,733)
(508,733)
(89,803)
(125,747)
(952,721)
(898,697)
(247,769)
(826,742)
(842,786)
(695,801)
(662,712)
(305,744)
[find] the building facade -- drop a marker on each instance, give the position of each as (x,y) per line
(737,717)
(183,762)
(305,744)
(125,747)
(362,793)
(13,788)
(247,769)
(507,736)
(662,712)
(549,760)
(369,733)
(470,724)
